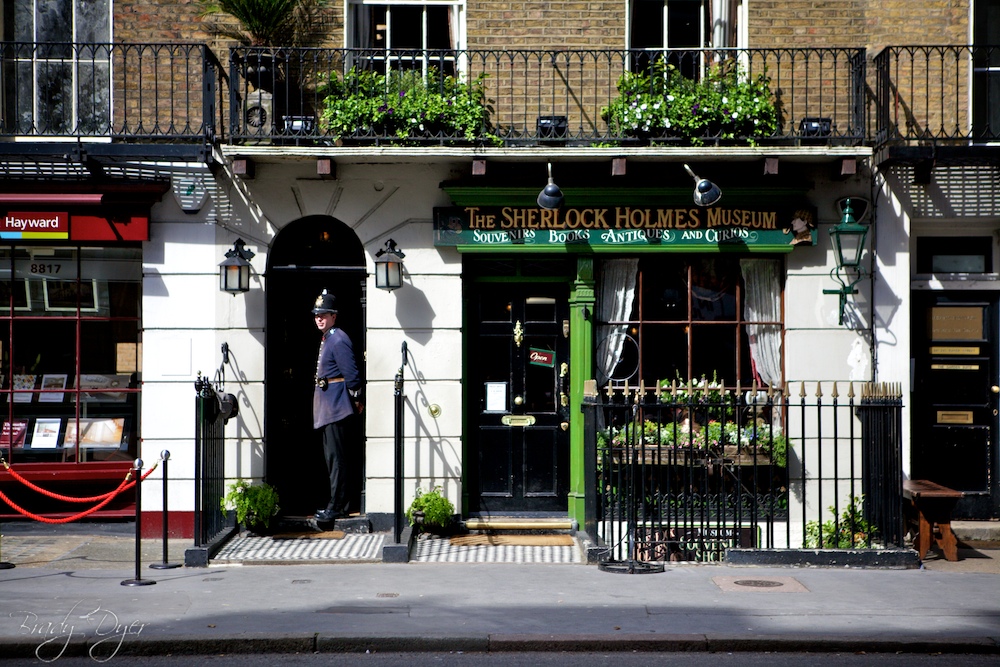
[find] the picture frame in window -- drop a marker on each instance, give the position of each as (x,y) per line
(14,433)
(50,382)
(60,295)
(45,434)
(104,388)
(22,384)
(96,432)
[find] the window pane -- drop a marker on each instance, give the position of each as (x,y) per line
(713,290)
(713,352)
(664,290)
(406,27)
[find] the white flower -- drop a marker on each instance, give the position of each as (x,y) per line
(725,99)
(670,98)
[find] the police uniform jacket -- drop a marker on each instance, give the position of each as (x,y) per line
(336,360)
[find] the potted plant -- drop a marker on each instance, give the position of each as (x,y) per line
(725,104)
(264,26)
(431,512)
(406,106)
(255,504)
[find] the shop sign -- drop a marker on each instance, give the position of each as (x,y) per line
(53,225)
(625,227)
(34,225)
(538,357)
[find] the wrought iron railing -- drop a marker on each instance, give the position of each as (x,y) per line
(114,92)
(687,473)
(932,94)
(297,95)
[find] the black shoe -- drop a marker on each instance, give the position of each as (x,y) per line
(326,515)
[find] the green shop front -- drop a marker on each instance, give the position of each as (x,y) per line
(631,288)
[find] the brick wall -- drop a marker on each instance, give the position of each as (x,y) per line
(556,24)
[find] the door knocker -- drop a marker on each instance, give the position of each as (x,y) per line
(518,333)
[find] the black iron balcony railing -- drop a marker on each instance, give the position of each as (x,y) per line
(111,92)
(523,97)
(160,94)
(937,94)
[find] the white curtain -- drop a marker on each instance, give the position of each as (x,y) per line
(614,304)
(762,303)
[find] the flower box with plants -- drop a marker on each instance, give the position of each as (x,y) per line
(698,422)
(406,106)
(661,103)
(255,504)
(431,512)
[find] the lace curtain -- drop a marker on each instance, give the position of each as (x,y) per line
(614,304)
(762,303)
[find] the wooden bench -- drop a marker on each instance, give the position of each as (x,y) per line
(933,505)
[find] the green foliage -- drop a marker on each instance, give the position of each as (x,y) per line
(255,505)
(406,105)
(850,532)
(265,22)
(438,512)
(724,104)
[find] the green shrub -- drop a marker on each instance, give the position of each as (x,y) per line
(406,105)
(436,511)
(852,531)
(255,505)
(724,104)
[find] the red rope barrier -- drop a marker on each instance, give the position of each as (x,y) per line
(105,498)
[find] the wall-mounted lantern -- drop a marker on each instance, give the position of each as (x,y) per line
(848,239)
(234,272)
(389,267)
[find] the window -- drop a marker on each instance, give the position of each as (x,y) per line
(69,353)
(683,24)
(687,318)
(402,35)
(61,68)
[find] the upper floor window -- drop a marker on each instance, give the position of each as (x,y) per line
(655,25)
(60,78)
(408,35)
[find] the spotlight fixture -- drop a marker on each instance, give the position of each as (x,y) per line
(706,192)
(551,197)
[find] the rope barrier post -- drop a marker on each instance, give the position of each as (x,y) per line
(138,581)
(164,565)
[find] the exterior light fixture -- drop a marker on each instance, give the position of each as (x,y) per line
(706,192)
(551,197)
(848,245)
(234,272)
(389,267)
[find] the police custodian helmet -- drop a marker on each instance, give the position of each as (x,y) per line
(325,303)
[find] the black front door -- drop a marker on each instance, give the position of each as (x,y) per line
(954,423)
(308,256)
(518,361)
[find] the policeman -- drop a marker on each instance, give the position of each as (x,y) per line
(336,399)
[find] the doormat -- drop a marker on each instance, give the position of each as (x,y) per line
(311,535)
(512,540)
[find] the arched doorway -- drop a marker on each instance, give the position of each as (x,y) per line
(308,255)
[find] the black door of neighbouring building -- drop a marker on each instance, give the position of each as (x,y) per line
(308,256)
(955,397)
(517,352)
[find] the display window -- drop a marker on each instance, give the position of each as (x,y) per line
(70,353)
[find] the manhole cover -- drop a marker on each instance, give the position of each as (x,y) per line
(758,583)
(387,595)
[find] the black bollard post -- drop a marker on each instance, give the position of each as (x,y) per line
(4,565)
(164,565)
(138,581)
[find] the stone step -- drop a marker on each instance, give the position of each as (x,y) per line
(976,531)
(520,524)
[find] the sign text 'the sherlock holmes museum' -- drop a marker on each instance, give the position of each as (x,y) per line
(625,226)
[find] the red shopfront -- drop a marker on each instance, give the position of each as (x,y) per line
(70,347)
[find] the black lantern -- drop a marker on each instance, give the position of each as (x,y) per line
(848,239)
(389,267)
(234,272)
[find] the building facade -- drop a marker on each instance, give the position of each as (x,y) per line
(154,157)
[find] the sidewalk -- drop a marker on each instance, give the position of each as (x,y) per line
(66,587)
